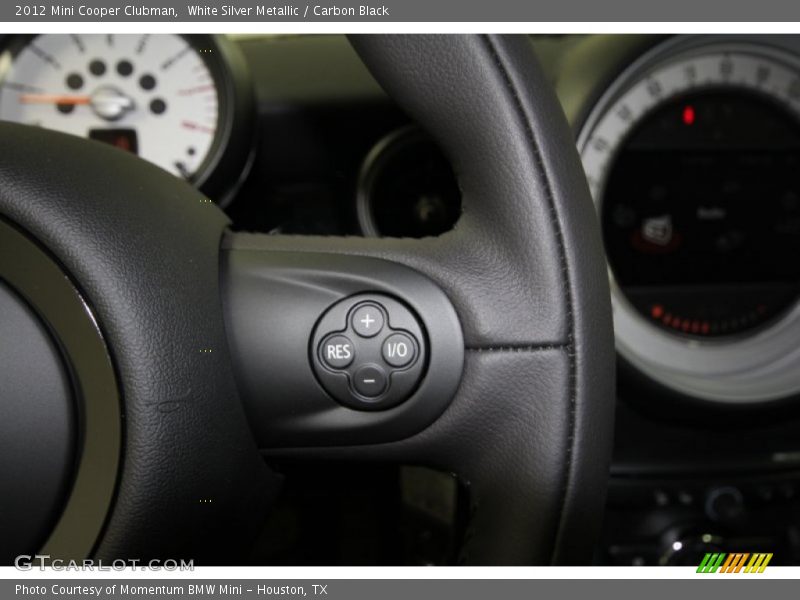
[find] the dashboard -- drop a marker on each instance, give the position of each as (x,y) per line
(691,147)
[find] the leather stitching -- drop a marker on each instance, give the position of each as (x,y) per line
(562,259)
(524,348)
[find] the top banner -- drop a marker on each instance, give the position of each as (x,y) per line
(408,11)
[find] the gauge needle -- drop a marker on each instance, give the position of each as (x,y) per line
(107,102)
(54,99)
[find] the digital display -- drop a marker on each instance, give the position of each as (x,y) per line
(124,139)
(701,212)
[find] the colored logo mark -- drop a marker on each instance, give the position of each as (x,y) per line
(734,563)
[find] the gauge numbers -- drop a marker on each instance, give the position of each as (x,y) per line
(760,73)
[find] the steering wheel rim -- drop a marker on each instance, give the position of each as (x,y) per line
(529,429)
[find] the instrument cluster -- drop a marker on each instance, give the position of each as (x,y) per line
(692,158)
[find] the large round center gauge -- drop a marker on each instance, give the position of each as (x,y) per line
(160,96)
(697,166)
(693,159)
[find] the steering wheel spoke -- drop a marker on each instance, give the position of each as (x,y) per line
(337,349)
(485,413)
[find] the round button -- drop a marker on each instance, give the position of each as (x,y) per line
(370,381)
(338,352)
(367,320)
(725,504)
(398,350)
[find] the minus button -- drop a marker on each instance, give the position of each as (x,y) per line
(370,381)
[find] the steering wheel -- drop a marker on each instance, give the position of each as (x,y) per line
(160,359)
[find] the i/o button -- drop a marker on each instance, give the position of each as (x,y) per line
(398,350)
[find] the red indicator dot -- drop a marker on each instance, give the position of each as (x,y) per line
(657,311)
(688,115)
(123,143)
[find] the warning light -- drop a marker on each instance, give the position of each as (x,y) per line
(657,311)
(688,115)
(123,143)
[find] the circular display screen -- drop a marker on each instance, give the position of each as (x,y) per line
(695,169)
(701,213)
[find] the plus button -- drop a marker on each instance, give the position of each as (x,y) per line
(367,320)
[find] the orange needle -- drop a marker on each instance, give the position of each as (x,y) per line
(53,99)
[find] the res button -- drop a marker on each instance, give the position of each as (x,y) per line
(338,352)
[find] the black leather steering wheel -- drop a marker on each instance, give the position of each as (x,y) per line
(529,426)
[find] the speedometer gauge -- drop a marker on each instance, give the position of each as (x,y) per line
(163,97)
(692,158)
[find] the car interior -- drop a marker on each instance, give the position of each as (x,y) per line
(400,300)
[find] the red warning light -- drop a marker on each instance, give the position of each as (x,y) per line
(688,115)
(123,143)
(657,311)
